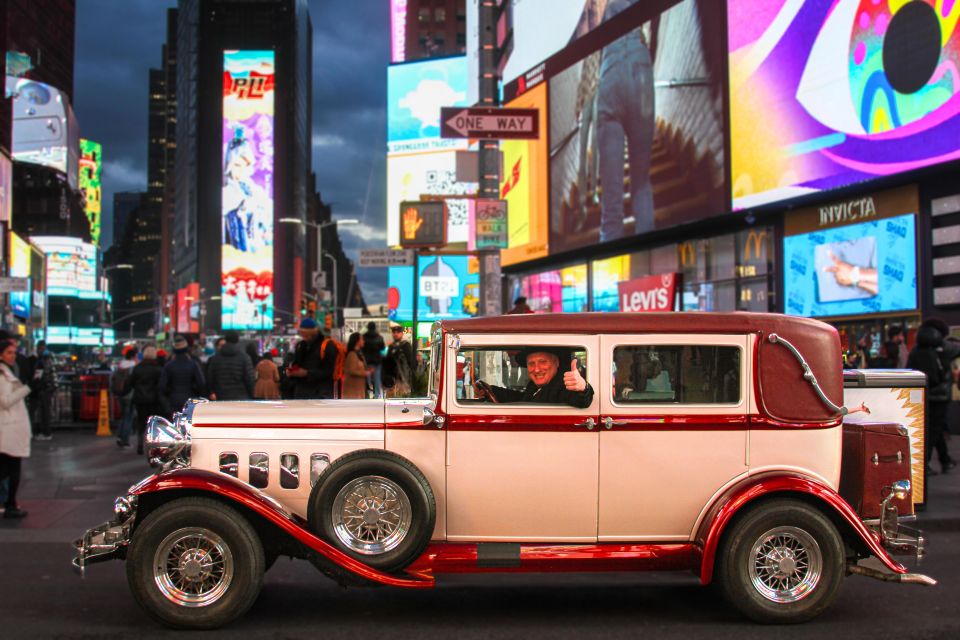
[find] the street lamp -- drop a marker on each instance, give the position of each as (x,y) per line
(336,300)
(70,325)
(319,228)
(103,297)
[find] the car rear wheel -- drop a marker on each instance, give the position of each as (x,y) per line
(195,563)
(375,506)
(781,563)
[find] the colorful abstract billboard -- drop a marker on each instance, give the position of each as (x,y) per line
(524,186)
(248,193)
(400,294)
(71,265)
(847,90)
(91,166)
(559,290)
(20,257)
(637,130)
(6,188)
(449,287)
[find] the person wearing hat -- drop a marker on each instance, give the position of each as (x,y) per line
(182,378)
(373,346)
(123,391)
(546,386)
(311,371)
(230,372)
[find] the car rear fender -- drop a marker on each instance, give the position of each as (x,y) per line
(769,485)
(232,490)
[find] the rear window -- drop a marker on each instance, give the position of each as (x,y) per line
(676,374)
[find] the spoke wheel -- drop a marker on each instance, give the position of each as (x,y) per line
(193,567)
(371,515)
(786,564)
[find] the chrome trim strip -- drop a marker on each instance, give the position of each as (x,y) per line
(808,374)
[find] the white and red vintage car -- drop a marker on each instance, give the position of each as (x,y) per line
(711,443)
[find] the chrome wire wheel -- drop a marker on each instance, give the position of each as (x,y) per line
(193,567)
(371,515)
(785,564)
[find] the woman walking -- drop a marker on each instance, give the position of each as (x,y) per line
(14,426)
(268,379)
(355,369)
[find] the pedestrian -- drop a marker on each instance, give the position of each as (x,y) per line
(121,389)
(355,368)
(926,357)
(312,372)
(182,378)
(268,379)
(230,371)
(14,427)
(24,366)
(398,365)
(373,346)
(144,382)
(897,346)
(520,306)
(217,345)
(161,357)
(44,385)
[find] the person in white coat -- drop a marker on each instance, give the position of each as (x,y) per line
(14,426)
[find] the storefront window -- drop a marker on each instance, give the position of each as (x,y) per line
(555,291)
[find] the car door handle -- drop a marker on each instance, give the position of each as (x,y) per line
(589,423)
(610,423)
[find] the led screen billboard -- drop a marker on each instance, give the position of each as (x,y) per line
(637,131)
(6,188)
(71,265)
(449,287)
(524,186)
(847,90)
(852,258)
(400,294)
(247,193)
(40,123)
(553,291)
(20,257)
(398,30)
(91,166)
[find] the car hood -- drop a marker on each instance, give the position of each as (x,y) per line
(358,414)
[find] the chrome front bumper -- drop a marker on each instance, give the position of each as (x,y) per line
(108,540)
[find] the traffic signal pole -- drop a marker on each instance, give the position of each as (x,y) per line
(489,154)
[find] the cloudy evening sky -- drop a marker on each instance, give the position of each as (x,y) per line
(118,41)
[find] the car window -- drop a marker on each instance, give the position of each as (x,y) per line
(676,374)
(502,367)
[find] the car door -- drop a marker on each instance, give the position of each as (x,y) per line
(519,472)
(673,430)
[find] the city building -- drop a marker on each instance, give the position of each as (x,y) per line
(427,29)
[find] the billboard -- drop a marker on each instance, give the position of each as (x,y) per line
(852,258)
(20,258)
(524,186)
(839,100)
(71,265)
(398,30)
(91,167)
(643,115)
(6,187)
(449,287)
(559,290)
(400,294)
(247,205)
(40,123)
(81,336)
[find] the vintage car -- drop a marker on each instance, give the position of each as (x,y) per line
(710,443)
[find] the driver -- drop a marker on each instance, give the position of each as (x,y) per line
(545,386)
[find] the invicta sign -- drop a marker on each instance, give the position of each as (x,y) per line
(847,212)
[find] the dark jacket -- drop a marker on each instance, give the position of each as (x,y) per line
(399,364)
(925,356)
(145,383)
(230,374)
(372,348)
(181,380)
(554,392)
(318,382)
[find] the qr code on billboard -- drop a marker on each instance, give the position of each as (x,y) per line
(444,182)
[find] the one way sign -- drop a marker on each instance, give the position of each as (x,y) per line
(489,123)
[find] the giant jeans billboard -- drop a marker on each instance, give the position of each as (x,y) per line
(247,195)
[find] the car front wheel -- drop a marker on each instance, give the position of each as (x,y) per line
(782,563)
(195,563)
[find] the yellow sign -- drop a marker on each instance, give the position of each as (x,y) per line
(103,415)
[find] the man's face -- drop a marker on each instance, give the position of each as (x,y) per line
(398,335)
(542,367)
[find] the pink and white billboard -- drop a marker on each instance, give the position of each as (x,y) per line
(247,193)
(398,30)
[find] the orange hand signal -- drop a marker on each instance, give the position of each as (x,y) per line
(411,223)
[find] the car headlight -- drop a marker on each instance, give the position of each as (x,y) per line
(168,443)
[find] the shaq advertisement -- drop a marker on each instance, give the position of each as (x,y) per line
(637,128)
(846,91)
(247,194)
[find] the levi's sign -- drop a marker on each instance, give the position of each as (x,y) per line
(652,293)
(489,123)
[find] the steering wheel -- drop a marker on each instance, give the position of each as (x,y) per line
(487,391)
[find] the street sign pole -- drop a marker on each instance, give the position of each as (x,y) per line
(489,93)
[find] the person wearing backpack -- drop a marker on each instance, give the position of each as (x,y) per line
(182,378)
(314,366)
(927,356)
(144,383)
(119,388)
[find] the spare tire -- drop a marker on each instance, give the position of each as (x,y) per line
(374,506)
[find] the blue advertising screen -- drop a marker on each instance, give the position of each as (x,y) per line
(415,93)
(400,294)
(449,287)
(870,267)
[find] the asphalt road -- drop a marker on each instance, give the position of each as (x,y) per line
(71,483)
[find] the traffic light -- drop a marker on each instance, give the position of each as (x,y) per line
(303,307)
